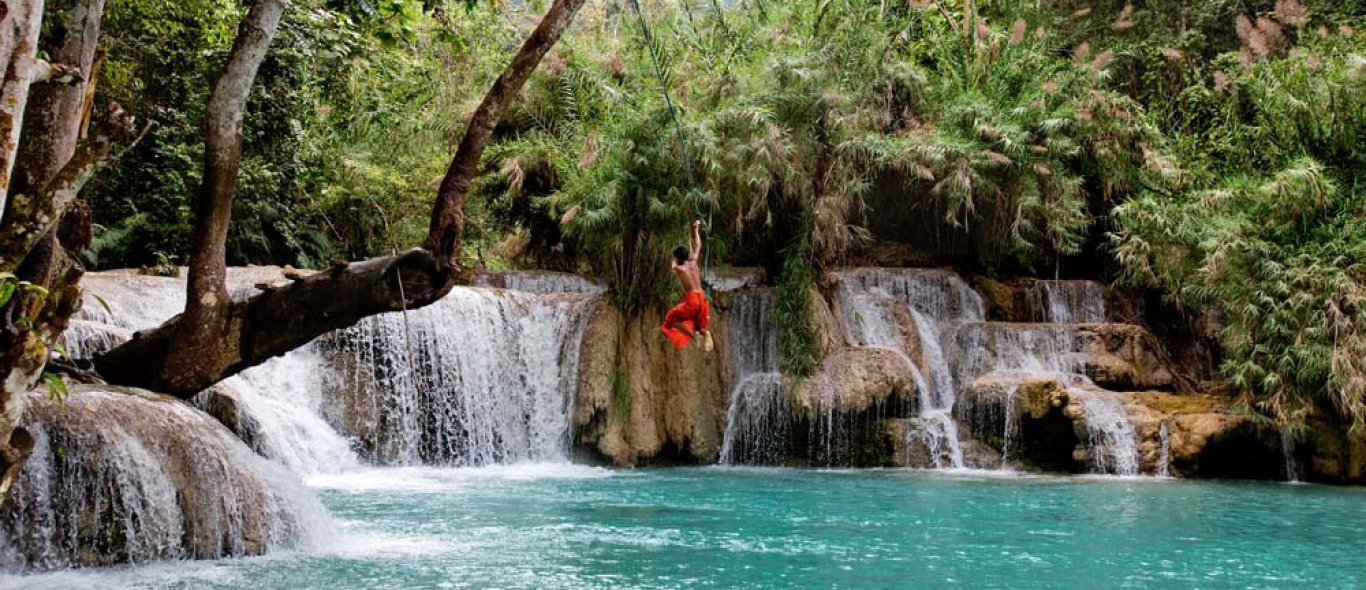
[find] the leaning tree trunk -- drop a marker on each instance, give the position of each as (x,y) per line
(208,309)
(216,338)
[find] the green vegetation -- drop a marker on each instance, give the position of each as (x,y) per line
(1264,225)
(1209,150)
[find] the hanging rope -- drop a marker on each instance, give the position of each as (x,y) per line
(652,45)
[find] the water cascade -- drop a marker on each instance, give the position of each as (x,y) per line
(1011,430)
(483,376)
(1292,469)
(937,303)
(122,475)
(277,403)
(1069,302)
(757,419)
(1164,456)
(1112,443)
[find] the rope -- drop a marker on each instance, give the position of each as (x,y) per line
(652,46)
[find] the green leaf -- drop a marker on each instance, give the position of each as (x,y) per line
(103,303)
(56,387)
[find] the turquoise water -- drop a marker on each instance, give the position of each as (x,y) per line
(579,527)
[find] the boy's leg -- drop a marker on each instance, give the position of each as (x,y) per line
(704,325)
(677,327)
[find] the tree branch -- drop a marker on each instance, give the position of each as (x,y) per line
(32,216)
(448,218)
(216,338)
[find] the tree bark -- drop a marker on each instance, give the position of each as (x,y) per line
(216,338)
(207,316)
(448,217)
(34,213)
(20,25)
(46,180)
(52,122)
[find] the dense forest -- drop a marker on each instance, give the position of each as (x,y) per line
(1206,153)
(1209,150)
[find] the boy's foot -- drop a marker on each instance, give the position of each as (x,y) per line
(706,341)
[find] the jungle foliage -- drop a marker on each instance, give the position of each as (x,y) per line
(1208,150)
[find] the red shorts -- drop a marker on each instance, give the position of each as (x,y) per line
(694,313)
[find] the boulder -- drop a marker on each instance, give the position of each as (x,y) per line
(854,380)
(120,475)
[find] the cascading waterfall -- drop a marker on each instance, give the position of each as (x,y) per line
(538,282)
(937,304)
(756,422)
(757,418)
(280,399)
(283,401)
(122,475)
(1070,302)
(1292,469)
(1012,424)
(1164,456)
(1112,442)
(483,376)
(1019,350)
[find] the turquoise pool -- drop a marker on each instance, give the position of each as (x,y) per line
(558,526)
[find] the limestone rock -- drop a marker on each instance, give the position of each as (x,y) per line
(641,401)
(854,380)
(123,475)
(221,403)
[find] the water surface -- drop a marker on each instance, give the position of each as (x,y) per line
(561,526)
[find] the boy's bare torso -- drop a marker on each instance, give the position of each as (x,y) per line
(689,275)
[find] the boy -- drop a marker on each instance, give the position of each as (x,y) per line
(693,314)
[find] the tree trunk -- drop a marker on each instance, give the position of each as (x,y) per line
(448,217)
(46,180)
(20,23)
(216,338)
(207,306)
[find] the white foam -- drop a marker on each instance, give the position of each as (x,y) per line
(443,479)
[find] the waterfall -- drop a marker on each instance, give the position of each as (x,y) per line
(1164,456)
(482,376)
(283,401)
(121,475)
(280,399)
(1070,302)
(757,422)
(537,282)
(485,375)
(1012,423)
(1292,468)
(1022,350)
(757,419)
(1111,440)
(937,303)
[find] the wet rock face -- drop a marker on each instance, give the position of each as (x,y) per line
(1330,453)
(128,476)
(223,404)
(641,402)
